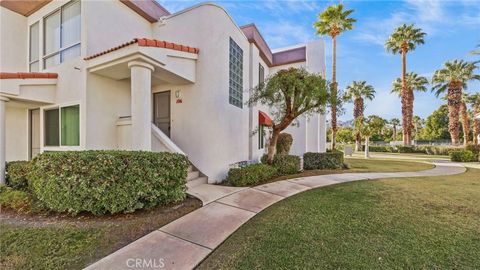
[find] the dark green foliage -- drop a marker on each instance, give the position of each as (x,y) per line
(474,148)
(14,199)
(286,164)
(250,175)
(321,161)
(284,143)
(436,125)
(384,149)
(463,156)
(17,172)
(104,182)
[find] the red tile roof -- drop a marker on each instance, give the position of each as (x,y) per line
(28,75)
(145,42)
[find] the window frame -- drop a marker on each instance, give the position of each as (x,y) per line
(261,73)
(61,49)
(232,90)
(59,107)
(261,136)
(30,61)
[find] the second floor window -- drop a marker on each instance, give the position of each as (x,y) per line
(62,34)
(261,74)
(34,63)
(236,75)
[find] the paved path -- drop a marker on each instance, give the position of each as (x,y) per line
(185,242)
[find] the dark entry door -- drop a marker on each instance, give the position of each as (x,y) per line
(161,111)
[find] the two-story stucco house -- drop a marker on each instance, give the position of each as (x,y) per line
(80,75)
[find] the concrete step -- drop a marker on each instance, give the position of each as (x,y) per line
(197,181)
(192,175)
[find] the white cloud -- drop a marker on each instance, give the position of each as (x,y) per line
(283,33)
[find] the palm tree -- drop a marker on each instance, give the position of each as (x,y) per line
(474,101)
(464,119)
(418,123)
(395,122)
(453,78)
(357,92)
(413,82)
(404,39)
(332,22)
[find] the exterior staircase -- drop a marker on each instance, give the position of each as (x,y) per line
(195,178)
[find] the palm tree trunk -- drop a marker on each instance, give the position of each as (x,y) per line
(410,114)
(465,122)
(334,92)
(405,98)
(394,133)
(476,123)
(358,112)
(454,99)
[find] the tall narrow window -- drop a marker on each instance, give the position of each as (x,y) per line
(62,34)
(261,136)
(236,75)
(34,64)
(70,125)
(261,74)
(51,128)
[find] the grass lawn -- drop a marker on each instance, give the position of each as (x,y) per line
(367,165)
(59,242)
(405,223)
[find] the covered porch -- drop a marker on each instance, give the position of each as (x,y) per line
(146,63)
(21,96)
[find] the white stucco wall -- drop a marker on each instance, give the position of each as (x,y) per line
(13,45)
(16,123)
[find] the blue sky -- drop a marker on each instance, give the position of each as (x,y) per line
(452,27)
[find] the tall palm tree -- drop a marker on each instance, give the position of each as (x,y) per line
(453,78)
(464,119)
(333,21)
(418,123)
(403,40)
(413,82)
(474,101)
(395,122)
(357,92)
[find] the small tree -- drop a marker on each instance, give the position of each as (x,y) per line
(368,127)
(290,93)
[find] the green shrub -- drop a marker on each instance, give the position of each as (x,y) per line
(16,175)
(321,161)
(437,150)
(405,149)
(463,156)
(284,143)
(378,148)
(103,182)
(474,148)
(285,164)
(250,175)
(14,199)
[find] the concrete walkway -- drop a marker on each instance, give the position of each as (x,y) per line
(185,242)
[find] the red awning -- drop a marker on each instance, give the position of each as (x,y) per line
(263,119)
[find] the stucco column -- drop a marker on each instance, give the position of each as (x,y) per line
(141,107)
(3,101)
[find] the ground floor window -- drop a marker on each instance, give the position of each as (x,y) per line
(62,126)
(261,136)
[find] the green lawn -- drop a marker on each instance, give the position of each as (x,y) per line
(405,223)
(57,242)
(367,165)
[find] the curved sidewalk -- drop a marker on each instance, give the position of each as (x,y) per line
(185,242)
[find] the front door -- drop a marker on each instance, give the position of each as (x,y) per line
(161,111)
(34,132)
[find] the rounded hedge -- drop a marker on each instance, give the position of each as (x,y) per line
(463,156)
(103,182)
(250,175)
(17,172)
(321,161)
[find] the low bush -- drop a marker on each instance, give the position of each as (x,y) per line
(463,156)
(103,182)
(250,175)
(284,143)
(380,148)
(17,172)
(14,199)
(285,164)
(436,150)
(321,161)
